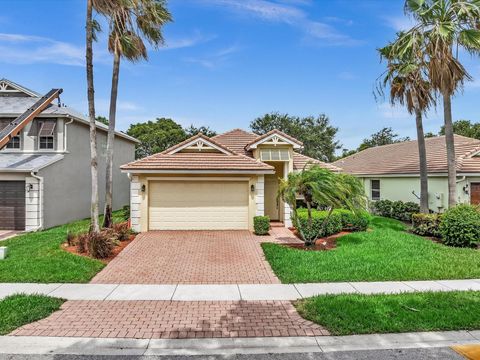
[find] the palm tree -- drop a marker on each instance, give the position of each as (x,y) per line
(408,86)
(317,185)
(130,21)
(91,26)
(446,26)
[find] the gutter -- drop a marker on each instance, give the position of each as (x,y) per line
(65,134)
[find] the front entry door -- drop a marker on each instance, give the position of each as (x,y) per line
(272,208)
(475,193)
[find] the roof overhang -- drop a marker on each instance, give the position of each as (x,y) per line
(274,137)
(206,171)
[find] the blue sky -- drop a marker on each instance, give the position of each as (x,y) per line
(228,61)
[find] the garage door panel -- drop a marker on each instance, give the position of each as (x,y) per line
(207,205)
(12,205)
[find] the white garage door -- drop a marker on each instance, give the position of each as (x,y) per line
(198,205)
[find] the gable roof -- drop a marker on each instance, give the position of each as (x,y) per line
(265,137)
(300,161)
(199,137)
(237,140)
(402,158)
(14,87)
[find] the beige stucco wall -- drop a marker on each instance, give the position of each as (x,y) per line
(400,188)
(139,199)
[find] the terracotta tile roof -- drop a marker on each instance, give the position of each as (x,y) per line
(274,131)
(299,162)
(402,158)
(198,136)
(236,140)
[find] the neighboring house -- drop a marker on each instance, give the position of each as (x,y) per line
(45,170)
(392,171)
(214,183)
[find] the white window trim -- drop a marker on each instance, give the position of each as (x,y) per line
(379,189)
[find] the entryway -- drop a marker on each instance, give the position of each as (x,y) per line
(475,193)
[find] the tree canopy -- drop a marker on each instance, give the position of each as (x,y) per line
(160,134)
(464,128)
(316,133)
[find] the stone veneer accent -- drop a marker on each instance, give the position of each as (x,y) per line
(260,196)
(135,201)
(33,204)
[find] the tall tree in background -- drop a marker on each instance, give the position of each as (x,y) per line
(205,130)
(130,22)
(316,133)
(385,136)
(464,128)
(91,27)
(445,26)
(406,78)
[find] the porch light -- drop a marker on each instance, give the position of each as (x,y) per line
(143,188)
(29,187)
(252,188)
(465,189)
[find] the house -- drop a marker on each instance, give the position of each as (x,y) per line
(392,171)
(45,169)
(214,183)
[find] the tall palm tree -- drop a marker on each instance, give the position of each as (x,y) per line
(91,26)
(446,26)
(130,22)
(317,185)
(407,80)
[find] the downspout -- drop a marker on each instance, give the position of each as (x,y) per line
(65,134)
(40,200)
(462,179)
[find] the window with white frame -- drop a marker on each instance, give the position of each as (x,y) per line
(14,143)
(274,155)
(46,134)
(375,189)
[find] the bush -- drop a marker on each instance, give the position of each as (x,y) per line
(121,231)
(353,221)
(460,226)
(82,241)
(100,245)
(126,212)
(333,225)
(426,224)
(261,225)
(395,209)
(70,239)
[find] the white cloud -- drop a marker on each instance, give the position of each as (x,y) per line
(289,13)
(216,59)
(187,41)
(400,23)
(30,49)
(387,111)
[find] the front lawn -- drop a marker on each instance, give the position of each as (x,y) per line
(368,314)
(18,310)
(385,253)
(38,257)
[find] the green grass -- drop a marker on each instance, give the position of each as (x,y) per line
(385,253)
(18,310)
(38,257)
(367,314)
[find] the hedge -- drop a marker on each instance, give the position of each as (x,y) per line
(460,226)
(427,224)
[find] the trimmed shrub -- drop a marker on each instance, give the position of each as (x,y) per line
(426,224)
(121,231)
(395,209)
(261,225)
(100,245)
(460,226)
(332,226)
(353,221)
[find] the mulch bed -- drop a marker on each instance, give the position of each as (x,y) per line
(322,244)
(116,250)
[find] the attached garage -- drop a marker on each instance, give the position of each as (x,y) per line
(12,205)
(198,205)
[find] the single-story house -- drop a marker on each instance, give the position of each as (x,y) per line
(392,171)
(217,183)
(45,169)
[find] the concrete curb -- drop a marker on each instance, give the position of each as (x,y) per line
(18,345)
(230,292)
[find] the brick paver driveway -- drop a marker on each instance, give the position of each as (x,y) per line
(173,319)
(190,257)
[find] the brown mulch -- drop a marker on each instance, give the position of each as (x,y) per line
(116,250)
(322,244)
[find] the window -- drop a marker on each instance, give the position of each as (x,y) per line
(14,143)
(375,187)
(274,155)
(46,142)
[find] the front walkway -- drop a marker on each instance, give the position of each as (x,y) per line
(190,257)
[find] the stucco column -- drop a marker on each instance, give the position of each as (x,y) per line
(286,210)
(260,196)
(33,205)
(135,201)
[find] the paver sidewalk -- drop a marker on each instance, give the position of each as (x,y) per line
(230,292)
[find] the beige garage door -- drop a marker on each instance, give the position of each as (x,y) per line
(198,205)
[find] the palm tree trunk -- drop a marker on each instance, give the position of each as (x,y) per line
(107,220)
(422,154)
(94,225)
(450,143)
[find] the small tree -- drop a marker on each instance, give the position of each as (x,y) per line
(320,186)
